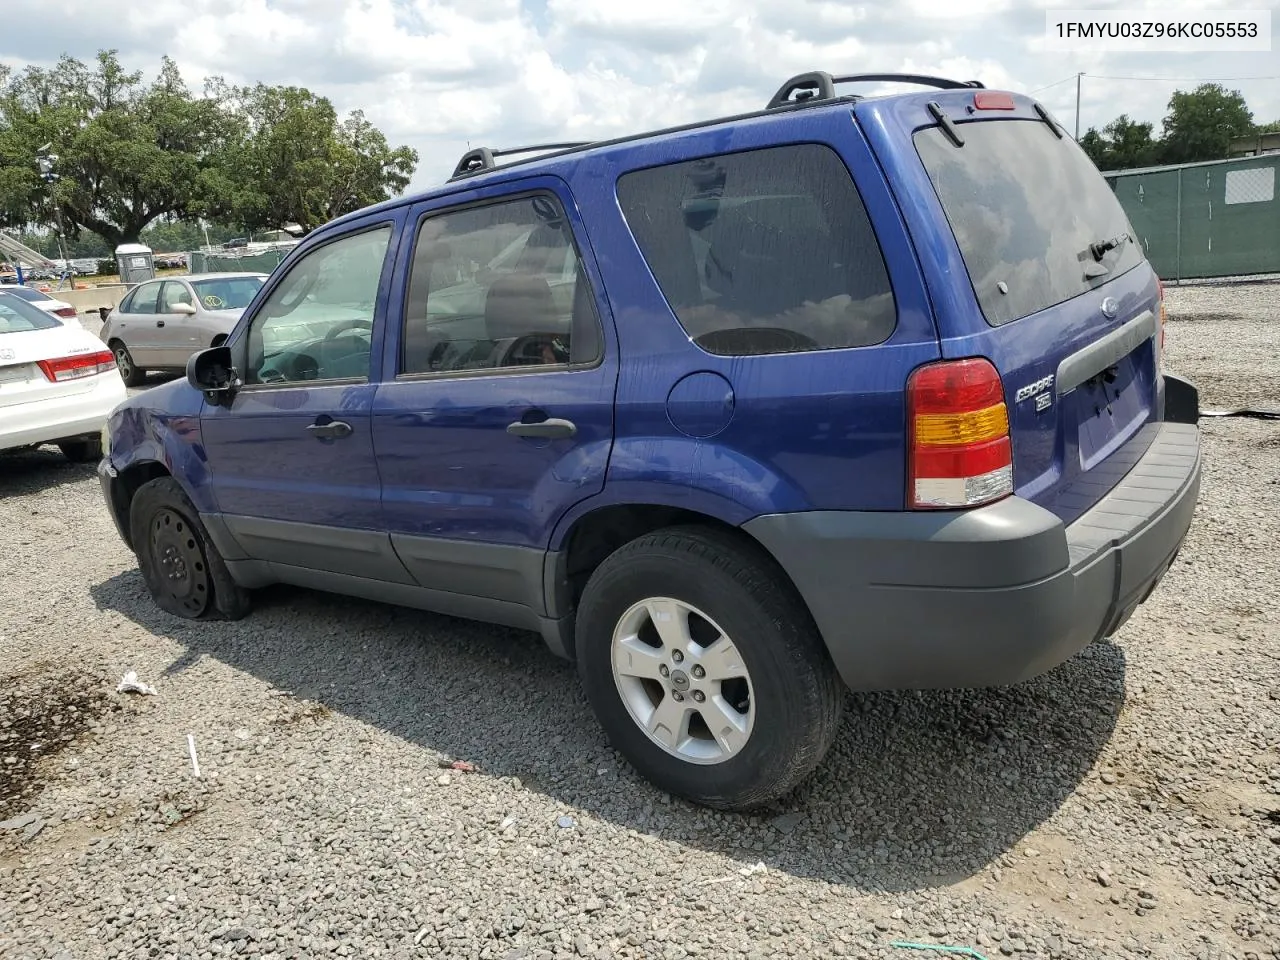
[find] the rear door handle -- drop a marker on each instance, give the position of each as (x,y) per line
(551,429)
(332,430)
(159,323)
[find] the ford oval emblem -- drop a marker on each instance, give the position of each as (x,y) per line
(1110,307)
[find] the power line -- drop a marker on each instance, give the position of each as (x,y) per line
(1054,84)
(1099,76)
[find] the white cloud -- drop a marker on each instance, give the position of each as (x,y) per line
(439,73)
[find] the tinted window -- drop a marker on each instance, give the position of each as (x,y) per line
(143,300)
(316,324)
(25,293)
(227,293)
(768,251)
(499,285)
(174,294)
(1024,207)
(17,316)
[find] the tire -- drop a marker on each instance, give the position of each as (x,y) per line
(793,696)
(88,450)
(129,373)
(180,565)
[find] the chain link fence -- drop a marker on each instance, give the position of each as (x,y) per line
(1203,220)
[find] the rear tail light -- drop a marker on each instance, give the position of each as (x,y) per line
(960,452)
(68,312)
(74,368)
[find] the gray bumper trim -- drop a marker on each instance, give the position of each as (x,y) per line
(991,596)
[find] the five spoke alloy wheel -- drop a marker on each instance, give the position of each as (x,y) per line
(683,680)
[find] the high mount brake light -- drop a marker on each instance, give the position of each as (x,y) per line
(992,100)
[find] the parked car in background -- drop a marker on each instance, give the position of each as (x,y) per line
(861,393)
(59,308)
(161,323)
(57,382)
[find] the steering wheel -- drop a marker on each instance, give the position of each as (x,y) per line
(213,301)
(539,348)
(343,328)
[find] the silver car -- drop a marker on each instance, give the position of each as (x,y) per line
(161,323)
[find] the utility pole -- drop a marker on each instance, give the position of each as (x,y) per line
(1078,76)
(45,161)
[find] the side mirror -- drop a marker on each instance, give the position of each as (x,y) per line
(211,372)
(186,309)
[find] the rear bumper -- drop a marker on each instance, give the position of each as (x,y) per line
(991,596)
(61,418)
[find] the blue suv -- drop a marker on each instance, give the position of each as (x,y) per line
(849,392)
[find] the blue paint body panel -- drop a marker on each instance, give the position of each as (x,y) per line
(430,472)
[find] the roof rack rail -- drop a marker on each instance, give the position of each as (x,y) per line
(818,86)
(482,158)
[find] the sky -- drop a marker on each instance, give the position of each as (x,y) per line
(439,74)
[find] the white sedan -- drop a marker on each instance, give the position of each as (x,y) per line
(60,308)
(57,383)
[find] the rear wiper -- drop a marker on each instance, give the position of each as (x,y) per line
(1099,248)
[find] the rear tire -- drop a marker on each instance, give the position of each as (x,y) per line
(129,373)
(88,450)
(734,726)
(180,565)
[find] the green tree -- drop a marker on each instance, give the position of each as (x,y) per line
(128,152)
(1201,124)
(1122,145)
(299,164)
(1272,127)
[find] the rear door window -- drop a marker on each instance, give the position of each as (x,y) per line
(1025,207)
(761,252)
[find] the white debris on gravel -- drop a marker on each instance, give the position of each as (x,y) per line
(1126,805)
(130,683)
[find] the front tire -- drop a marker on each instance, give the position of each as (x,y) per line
(705,668)
(180,565)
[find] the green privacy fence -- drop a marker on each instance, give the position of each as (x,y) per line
(1201,220)
(265,262)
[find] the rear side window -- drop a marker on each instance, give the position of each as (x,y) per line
(143,300)
(1025,207)
(765,251)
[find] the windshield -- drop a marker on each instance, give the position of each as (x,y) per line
(25,293)
(1026,207)
(227,293)
(17,316)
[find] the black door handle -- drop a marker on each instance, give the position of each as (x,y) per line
(332,430)
(552,429)
(159,323)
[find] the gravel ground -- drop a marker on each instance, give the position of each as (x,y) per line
(1126,805)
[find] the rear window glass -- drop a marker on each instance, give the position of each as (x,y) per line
(766,251)
(17,316)
(1025,207)
(23,293)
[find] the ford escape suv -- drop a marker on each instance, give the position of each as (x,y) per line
(849,392)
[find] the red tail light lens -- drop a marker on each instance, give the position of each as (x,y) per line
(68,312)
(81,365)
(960,454)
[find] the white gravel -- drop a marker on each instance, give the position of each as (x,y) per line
(1126,805)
